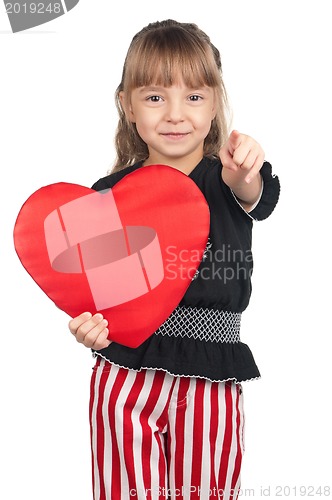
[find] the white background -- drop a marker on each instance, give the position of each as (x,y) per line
(57,119)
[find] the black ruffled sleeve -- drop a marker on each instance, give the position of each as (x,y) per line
(270,194)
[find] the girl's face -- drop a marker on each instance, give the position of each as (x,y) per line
(172,121)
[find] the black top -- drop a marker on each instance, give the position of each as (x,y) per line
(201,337)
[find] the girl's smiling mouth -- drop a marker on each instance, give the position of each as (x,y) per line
(175,135)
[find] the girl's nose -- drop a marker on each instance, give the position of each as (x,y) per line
(174,112)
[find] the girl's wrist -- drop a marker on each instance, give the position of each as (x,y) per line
(247,193)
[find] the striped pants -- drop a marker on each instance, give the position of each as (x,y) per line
(156,436)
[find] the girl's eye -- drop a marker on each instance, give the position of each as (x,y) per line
(154,98)
(195,97)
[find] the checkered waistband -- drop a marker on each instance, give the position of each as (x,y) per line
(202,324)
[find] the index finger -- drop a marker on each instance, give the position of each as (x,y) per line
(234,140)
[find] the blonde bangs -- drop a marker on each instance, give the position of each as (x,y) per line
(167,60)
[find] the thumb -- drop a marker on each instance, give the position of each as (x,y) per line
(234,141)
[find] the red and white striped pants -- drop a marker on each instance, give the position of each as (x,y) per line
(156,436)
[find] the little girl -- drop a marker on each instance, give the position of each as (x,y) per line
(167,417)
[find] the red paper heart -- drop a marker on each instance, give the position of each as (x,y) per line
(129,253)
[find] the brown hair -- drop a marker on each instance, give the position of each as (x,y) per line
(157,55)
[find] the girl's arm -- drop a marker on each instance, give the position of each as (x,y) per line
(242,158)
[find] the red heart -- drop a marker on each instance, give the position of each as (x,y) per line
(129,253)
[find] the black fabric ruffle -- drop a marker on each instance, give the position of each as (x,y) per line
(215,361)
(270,195)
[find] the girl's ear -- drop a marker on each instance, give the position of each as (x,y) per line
(126,106)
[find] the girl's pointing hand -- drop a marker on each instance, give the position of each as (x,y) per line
(242,156)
